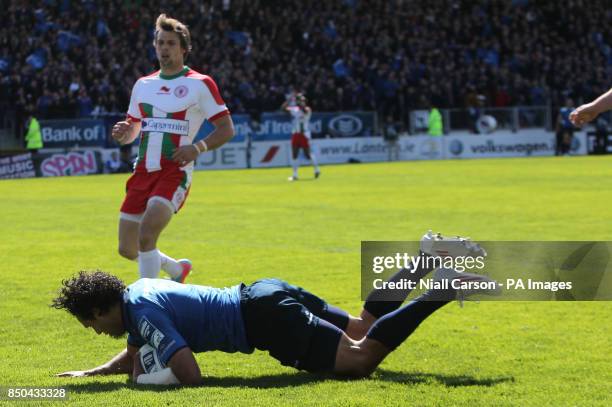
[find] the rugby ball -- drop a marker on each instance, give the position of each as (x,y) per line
(149,360)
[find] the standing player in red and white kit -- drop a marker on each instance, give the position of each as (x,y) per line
(300,137)
(167,109)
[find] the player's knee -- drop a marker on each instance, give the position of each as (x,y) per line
(358,327)
(128,253)
(362,327)
(366,320)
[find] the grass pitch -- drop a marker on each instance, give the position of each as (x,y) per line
(241,225)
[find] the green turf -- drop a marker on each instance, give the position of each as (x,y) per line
(241,225)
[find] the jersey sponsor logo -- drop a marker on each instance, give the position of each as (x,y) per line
(156,338)
(150,333)
(181,91)
(161,125)
(164,90)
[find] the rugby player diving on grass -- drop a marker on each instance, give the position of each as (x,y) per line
(296,327)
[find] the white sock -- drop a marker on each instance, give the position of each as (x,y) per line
(294,163)
(314,162)
(149,264)
(170,265)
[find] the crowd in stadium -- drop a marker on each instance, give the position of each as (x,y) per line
(61,58)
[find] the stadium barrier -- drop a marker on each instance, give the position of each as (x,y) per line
(17,166)
(276,153)
(51,164)
(272,126)
(599,142)
(514,118)
(408,148)
(505,144)
(77,133)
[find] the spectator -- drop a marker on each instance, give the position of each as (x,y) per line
(341,53)
(564,128)
(435,126)
(391,135)
(85,105)
(33,137)
(112,164)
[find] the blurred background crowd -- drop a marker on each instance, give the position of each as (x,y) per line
(61,58)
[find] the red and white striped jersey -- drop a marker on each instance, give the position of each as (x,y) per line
(171,110)
(301,120)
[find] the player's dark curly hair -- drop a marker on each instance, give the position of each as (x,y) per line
(80,294)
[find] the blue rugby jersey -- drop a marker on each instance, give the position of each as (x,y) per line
(169,316)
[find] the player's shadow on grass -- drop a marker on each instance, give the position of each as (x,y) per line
(298,379)
(447,380)
(261,382)
(95,387)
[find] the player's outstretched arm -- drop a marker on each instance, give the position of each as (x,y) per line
(590,111)
(122,363)
(182,369)
(185,367)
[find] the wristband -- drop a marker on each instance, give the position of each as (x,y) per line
(204,145)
